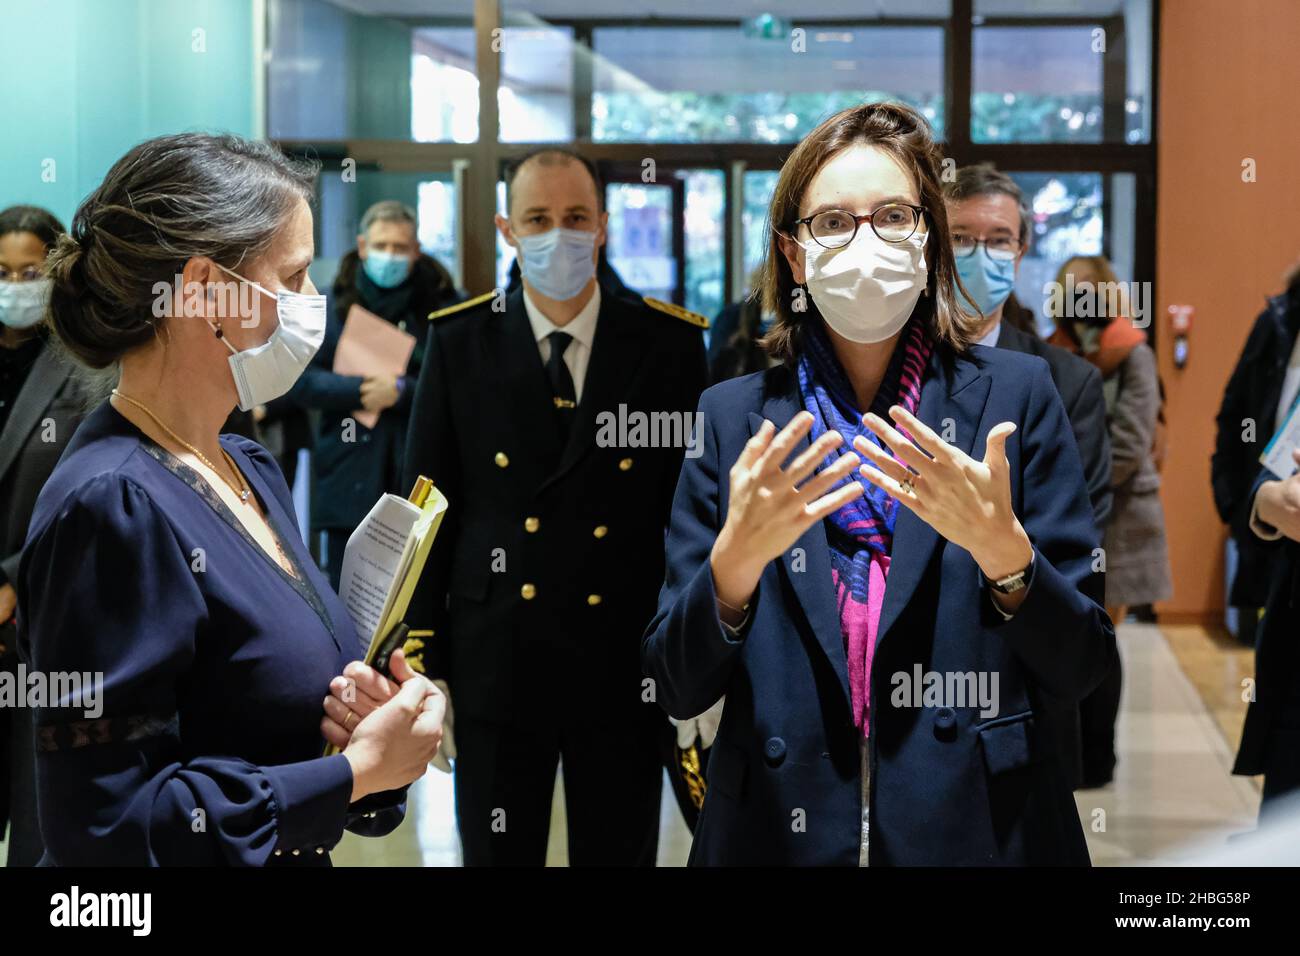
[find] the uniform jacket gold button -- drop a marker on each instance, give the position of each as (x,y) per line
(279,853)
(297,852)
(528,592)
(625,464)
(600,531)
(531,525)
(593,599)
(501,459)
(320,851)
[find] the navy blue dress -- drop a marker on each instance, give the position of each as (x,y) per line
(215,661)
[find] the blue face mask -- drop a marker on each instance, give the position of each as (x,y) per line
(558,263)
(989,281)
(385,269)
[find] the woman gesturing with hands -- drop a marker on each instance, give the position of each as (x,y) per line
(968,502)
(797,587)
(770,509)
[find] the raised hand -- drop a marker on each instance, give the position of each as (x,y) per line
(965,500)
(770,509)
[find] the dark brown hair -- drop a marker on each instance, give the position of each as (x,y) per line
(165,202)
(34,220)
(904,134)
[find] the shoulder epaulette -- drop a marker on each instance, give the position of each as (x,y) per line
(461,306)
(677,312)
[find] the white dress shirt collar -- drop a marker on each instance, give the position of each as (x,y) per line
(582,327)
(991,340)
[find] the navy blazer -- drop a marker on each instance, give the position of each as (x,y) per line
(947,786)
(1079,383)
(215,663)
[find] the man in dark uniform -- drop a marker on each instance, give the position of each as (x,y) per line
(990,232)
(554,418)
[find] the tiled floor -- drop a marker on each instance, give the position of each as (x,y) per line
(1173,786)
(1180,720)
(428,833)
(1217,665)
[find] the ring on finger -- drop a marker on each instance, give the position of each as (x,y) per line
(891,466)
(350,716)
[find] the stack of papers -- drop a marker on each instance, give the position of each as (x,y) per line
(382,565)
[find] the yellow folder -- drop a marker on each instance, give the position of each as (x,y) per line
(390,632)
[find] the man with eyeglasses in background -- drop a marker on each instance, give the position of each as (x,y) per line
(990,233)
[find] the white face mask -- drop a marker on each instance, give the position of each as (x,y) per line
(558,263)
(267,371)
(23,304)
(866,290)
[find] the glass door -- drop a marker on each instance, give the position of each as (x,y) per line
(645,241)
(345,196)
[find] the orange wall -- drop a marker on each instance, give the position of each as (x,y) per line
(1229,90)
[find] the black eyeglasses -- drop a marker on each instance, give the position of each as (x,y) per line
(836,228)
(1001,248)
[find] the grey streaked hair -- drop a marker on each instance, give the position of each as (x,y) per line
(388,210)
(984,179)
(165,202)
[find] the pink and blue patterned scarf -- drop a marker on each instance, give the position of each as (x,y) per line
(861,533)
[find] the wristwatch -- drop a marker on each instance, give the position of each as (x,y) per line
(1012,582)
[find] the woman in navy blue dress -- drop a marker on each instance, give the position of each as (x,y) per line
(163,562)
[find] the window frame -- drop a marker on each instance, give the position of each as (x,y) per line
(477,166)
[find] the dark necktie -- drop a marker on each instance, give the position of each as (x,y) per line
(563,395)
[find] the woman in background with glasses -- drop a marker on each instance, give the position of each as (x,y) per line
(890,672)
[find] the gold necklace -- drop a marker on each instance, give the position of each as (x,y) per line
(242,489)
